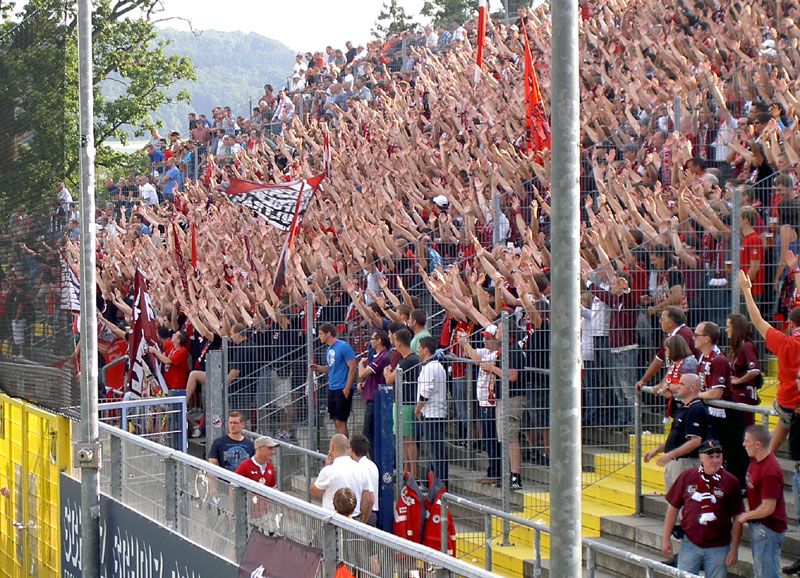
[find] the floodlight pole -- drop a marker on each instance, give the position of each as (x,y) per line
(565,353)
(87,452)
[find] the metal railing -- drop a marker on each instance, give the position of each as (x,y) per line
(218,509)
(765,413)
(160,419)
(591,546)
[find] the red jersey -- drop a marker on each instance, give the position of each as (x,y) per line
(765,482)
(752,249)
(714,370)
(252,471)
(178,371)
(787,350)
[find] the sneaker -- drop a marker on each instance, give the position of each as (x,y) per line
(792,569)
(516,482)
(196,432)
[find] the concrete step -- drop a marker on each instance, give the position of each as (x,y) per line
(506,560)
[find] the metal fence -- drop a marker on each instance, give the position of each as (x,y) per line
(218,509)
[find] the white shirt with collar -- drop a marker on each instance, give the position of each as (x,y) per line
(344,472)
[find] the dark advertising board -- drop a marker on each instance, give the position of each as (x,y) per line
(132,545)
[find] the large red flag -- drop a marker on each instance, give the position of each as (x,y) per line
(144,333)
(537,126)
(179,259)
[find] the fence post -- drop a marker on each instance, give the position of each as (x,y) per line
(384,455)
(214,394)
(183,425)
(537,554)
(676,110)
(171,493)
(310,390)
(240,526)
(495,218)
(590,561)
(735,244)
(279,466)
(398,431)
(637,451)
(329,556)
(487,541)
(307,459)
(470,410)
(506,445)
(116,467)
(443,527)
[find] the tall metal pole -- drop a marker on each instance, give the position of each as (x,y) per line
(565,352)
(89,457)
(735,245)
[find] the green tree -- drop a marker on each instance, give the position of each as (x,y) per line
(39,94)
(446,12)
(392,20)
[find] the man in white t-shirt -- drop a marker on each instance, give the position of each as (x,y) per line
(147,192)
(342,471)
(359,448)
(431,410)
(64,197)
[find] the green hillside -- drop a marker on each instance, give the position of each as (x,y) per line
(232,68)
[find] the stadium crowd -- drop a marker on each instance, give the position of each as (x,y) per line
(435,205)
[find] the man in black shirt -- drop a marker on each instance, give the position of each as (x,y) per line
(410,365)
(689,429)
(231,450)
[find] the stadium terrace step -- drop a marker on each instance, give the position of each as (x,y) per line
(506,560)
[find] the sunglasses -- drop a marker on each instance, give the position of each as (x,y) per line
(714,453)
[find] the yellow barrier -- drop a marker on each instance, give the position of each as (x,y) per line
(34,448)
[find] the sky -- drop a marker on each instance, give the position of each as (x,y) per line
(302,25)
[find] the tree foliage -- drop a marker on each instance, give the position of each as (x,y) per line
(39,95)
(392,20)
(446,12)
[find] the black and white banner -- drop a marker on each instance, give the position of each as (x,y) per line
(279,204)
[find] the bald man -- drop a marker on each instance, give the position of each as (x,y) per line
(342,471)
(689,429)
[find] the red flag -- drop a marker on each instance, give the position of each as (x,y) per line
(144,333)
(481,37)
(194,251)
(179,259)
(537,126)
(312,184)
(326,151)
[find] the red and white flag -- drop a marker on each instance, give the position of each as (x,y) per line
(326,151)
(144,332)
(481,40)
(536,124)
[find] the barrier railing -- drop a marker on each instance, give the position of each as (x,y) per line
(764,412)
(217,509)
(648,566)
(160,419)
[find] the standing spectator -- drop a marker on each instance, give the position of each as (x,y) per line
(372,374)
(744,360)
(416,323)
(689,429)
(710,498)
(171,180)
(176,361)
(156,158)
(766,510)
(431,409)
(409,363)
(787,349)
(258,467)
(231,450)
(341,368)
(147,191)
(359,448)
(673,322)
(714,370)
(351,52)
(64,196)
(342,471)
(751,253)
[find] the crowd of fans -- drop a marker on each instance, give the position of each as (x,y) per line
(434,203)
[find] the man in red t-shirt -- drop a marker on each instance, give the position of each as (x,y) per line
(766,509)
(787,350)
(177,362)
(259,467)
(711,498)
(751,253)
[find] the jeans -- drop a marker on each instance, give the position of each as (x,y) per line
(369,426)
(692,558)
(766,551)
(624,366)
(432,430)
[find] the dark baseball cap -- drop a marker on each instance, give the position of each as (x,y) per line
(710,446)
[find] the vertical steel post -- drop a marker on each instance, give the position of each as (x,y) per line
(171,493)
(508,16)
(676,111)
(240,524)
(443,527)
(735,244)
(487,541)
(398,432)
(329,556)
(310,392)
(495,218)
(537,554)
(279,467)
(565,352)
(117,459)
(90,433)
(505,447)
(637,452)
(213,394)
